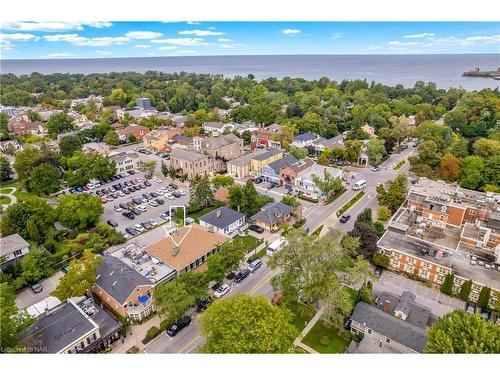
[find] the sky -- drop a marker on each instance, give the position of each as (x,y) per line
(42,40)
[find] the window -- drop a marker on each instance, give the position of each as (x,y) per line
(369,331)
(388,340)
(18,253)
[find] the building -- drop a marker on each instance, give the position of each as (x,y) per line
(22,127)
(370,130)
(225,221)
(271,172)
(443,229)
(215,127)
(271,136)
(77,325)
(126,161)
(304,140)
(12,249)
(9,111)
(305,185)
(289,174)
(133,130)
(158,138)
(221,149)
(384,332)
(241,167)
(260,160)
(123,290)
(273,215)
(144,103)
(405,307)
(321,144)
(190,163)
(181,141)
(186,248)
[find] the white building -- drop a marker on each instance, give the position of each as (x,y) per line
(126,161)
(12,248)
(304,183)
(225,221)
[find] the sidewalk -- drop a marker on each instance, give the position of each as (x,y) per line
(135,338)
(298,341)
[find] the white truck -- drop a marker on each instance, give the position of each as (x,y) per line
(276,246)
(358,185)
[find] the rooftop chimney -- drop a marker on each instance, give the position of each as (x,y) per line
(175,250)
(386,306)
(218,213)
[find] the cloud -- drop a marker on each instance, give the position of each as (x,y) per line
(230,45)
(224,40)
(290,31)
(337,36)
(201,32)
(52,26)
(18,37)
(182,41)
(403,44)
(142,46)
(185,52)
(5,45)
(143,35)
(167,48)
(61,54)
(374,47)
(421,35)
(78,40)
(104,53)
(193,23)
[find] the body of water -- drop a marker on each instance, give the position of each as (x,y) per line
(445,70)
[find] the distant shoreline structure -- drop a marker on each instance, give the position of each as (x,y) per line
(476,72)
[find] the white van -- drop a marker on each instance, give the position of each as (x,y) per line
(276,245)
(358,185)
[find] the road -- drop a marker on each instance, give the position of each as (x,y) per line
(189,340)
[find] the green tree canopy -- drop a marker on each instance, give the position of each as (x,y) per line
(200,192)
(79,211)
(44,180)
(59,123)
(172,300)
(69,145)
(112,138)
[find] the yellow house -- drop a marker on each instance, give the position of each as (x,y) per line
(264,159)
(158,139)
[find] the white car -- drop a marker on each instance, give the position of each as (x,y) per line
(139,228)
(153,203)
(165,216)
(142,208)
(222,291)
(121,193)
(139,181)
(189,220)
(157,180)
(181,192)
(152,222)
(117,209)
(169,196)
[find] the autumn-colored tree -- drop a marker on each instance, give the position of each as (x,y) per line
(450,167)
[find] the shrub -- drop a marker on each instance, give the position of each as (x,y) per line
(324,340)
(299,223)
(383,213)
(381,260)
(134,349)
(465,290)
(152,332)
(164,324)
(350,203)
(447,287)
(379,228)
(484,297)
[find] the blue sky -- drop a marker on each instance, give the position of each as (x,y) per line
(32,40)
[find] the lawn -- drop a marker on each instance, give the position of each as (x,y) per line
(196,215)
(302,314)
(4,199)
(247,242)
(334,342)
(20,195)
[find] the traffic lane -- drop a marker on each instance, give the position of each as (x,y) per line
(26,297)
(183,340)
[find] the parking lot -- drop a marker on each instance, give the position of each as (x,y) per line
(149,212)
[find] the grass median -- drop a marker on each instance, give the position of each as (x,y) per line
(350,203)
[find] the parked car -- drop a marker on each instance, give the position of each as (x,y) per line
(169,196)
(176,327)
(256,264)
(36,288)
(142,208)
(256,228)
(136,212)
(378,271)
(117,208)
(376,169)
(189,220)
(242,275)
(258,180)
(181,192)
(272,185)
(65,269)
(203,305)
(344,218)
(222,291)
(139,228)
(147,183)
(176,194)
(152,222)
(131,231)
(153,203)
(112,223)
(165,216)
(146,225)
(159,201)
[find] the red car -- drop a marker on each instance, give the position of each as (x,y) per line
(85,187)
(104,200)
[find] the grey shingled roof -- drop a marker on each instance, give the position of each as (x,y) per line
(387,325)
(57,328)
(118,279)
(304,137)
(267,154)
(285,161)
(222,217)
(12,243)
(182,139)
(416,314)
(272,212)
(182,154)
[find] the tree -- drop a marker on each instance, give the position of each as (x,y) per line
(196,283)
(172,300)
(428,153)
(44,180)
(299,153)
(246,324)
(383,213)
(222,180)
(459,332)
(112,138)
(365,293)
(82,167)
(232,254)
(69,145)
(395,194)
(365,217)
(465,290)
(368,238)
(59,123)
(473,169)
(35,265)
(246,136)
(24,160)
(290,201)
(5,169)
(447,286)
(200,192)
(149,167)
(352,150)
(249,202)
(12,321)
(376,151)
(80,277)
(316,270)
(79,211)
(484,297)
(450,167)
(165,169)
(216,268)
(235,199)
(329,184)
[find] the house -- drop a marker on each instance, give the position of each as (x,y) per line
(158,138)
(305,185)
(241,167)
(136,131)
(404,307)
(271,172)
(126,161)
(190,163)
(10,144)
(181,141)
(385,333)
(442,229)
(370,130)
(289,174)
(215,127)
(144,103)
(186,248)
(12,249)
(23,127)
(224,220)
(221,149)
(123,290)
(304,140)
(271,136)
(273,215)
(77,325)
(321,144)
(260,160)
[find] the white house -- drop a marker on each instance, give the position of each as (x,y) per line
(126,161)
(304,184)
(216,127)
(304,140)
(12,248)
(225,221)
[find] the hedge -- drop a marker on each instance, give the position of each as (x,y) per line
(399,165)
(349,204)
(152,332)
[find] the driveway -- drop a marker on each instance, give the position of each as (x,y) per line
(27,298)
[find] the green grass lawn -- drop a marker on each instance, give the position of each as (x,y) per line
(247,242)
(20,195)
(302,314)
(337,342)
(196,215)
(4,199)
